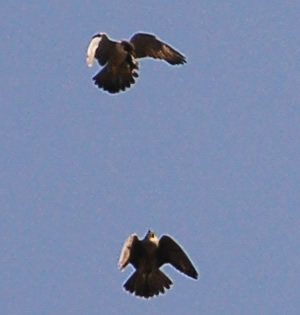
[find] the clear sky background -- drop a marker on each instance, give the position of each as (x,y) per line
(207,152)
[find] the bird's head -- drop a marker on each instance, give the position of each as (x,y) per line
(92,47)
(150,236)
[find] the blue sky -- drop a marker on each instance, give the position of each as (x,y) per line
(207,153)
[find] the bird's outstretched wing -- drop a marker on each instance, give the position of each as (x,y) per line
(101,48)
(147,45)
(170,252)
(129,251)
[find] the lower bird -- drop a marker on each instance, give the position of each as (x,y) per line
(147,256)
(119,58)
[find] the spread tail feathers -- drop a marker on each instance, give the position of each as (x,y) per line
(148,284)
(115,80)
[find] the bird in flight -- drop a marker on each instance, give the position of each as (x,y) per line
(119,58)
(147,256)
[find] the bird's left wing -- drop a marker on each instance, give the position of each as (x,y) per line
(147,45)
(170,252)
(101,48)
(128,251)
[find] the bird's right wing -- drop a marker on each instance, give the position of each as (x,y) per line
(170,252)
(128,251)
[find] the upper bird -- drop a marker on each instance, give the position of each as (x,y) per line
(147,256)
(119,58)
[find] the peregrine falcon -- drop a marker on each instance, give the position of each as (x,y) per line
(119,58)
(147,256)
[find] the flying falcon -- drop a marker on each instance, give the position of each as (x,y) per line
(147,256)
(119,58)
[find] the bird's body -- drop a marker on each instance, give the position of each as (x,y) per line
(119,58)
(147,256)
